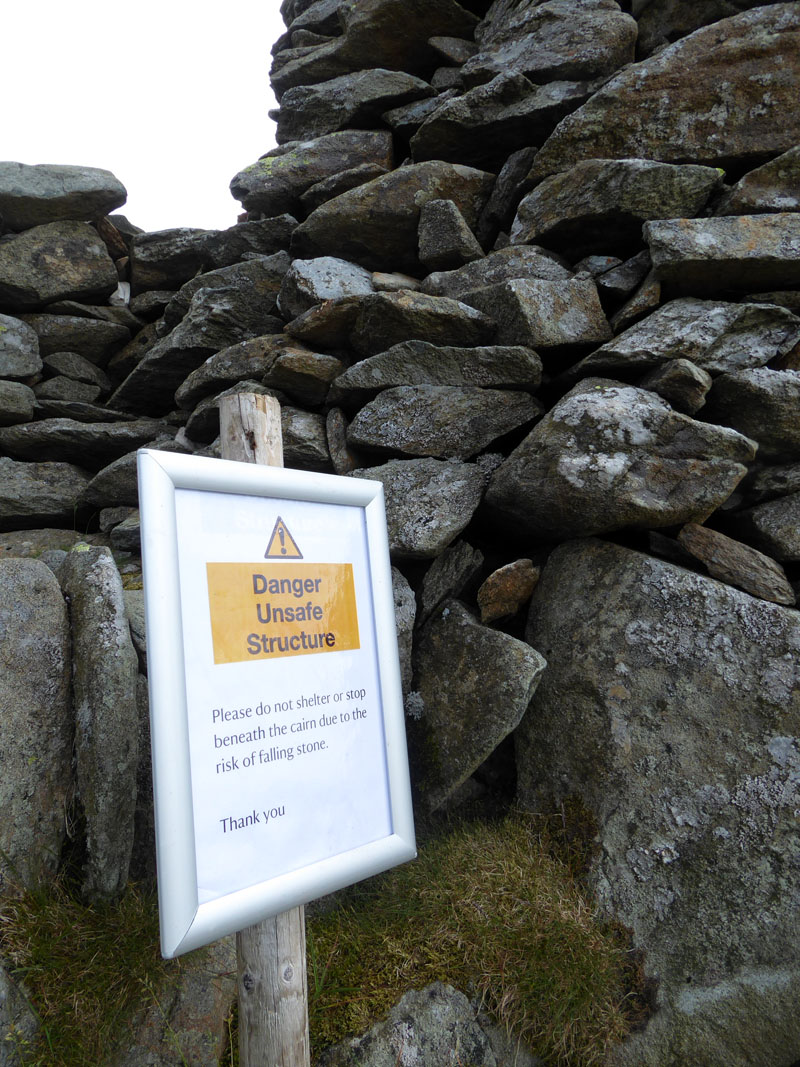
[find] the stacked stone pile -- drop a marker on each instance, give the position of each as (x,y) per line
(536,268)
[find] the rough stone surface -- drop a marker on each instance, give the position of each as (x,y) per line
(474,685)
(405,611)
(609,456)
(166,259)
(448,576)
(684,694)
(763,404)
(90,445)
(57,261)
(775,186)
(259,279)
(106,718)
(18,1024)
(507,589)
(386,319)
(246,359)
(737,564)
(439,420)
(518,261)
(17,402)
(681,383)
(310,281)
(733,102)
(19,349)
(91,338)
(428,503)
(35,727)
(376,224)
(738,252)
(774,527)
(39,494)
(33,195)
(599,205)
(445,240)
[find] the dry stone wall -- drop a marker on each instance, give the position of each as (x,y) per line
(536,268)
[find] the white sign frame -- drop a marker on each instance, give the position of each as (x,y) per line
(185,922)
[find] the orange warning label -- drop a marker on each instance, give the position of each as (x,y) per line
(293,609)
(282,545)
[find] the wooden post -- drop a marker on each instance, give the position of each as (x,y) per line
(273,996)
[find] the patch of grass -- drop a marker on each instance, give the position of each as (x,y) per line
(493,909)
(86,969)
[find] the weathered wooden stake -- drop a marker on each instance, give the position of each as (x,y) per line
(273,997)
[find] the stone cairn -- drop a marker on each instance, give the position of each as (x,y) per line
(536,268)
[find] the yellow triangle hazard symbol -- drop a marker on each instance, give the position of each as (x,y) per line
(282,545)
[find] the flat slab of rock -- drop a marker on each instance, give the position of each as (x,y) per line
(644,112)
(738,252)
(385,319)
(507,589)
(352,100)
(716,335)
(422,363)
(90,445)
(47,192)
(544,314)
(439,420)
(36,724)
(774,526)
(39,494)
(516,261)
(775,186)
(679,738)
(94,339)
(57,261)
(737,564)
(19,349)
(599,205)
(473,686)
(275,182)
(376,224)
(310,281)
(428,502)
(609,456)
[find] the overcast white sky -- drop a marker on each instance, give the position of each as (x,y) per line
(170,95)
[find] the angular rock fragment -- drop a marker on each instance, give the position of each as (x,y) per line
(506,590)
(61,387)
(554,40)
(681,383)
(737,564)
(599,205)
(275,182)
(544,314)
(474,686)
(89,445)
(91,338)
(644,112)
(609,456)
(310,281)
(376,224)
(106,717)
(305,442)
(327,325)
(17,403)
(46,192)
(385,319)
(421,363)
(428,502)
(19,349)
(351,100)
(763,404)
(36,726)
(737,252)
(39,494)
(775,186)
(678,741)
(519,261)
(774,526)
(339,183)
(445,240)
(166,259)
(258,279)
(246,359)
(439,420)
(448,576)
(56,261)
(264,237)
(304,375)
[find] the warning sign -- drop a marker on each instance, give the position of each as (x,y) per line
(286,610)
(282,545)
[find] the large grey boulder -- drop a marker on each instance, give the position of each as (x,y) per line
(39,494)
(259,279)
(57,261)
(428,502)
(717,335)
(515,261)
(599,205)
(166,259)
(609,456)
(556,40)
(744,253)
(19,349)
(443,421)
(275,182)
(352,100)
(644,111)
(376,223)
(36,724)
(763,404)
(541,313)
(473,685)
(93,339)
(670,711)
(47,192)
(106,717)
(662,22)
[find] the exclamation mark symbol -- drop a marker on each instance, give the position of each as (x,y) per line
(282,535)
